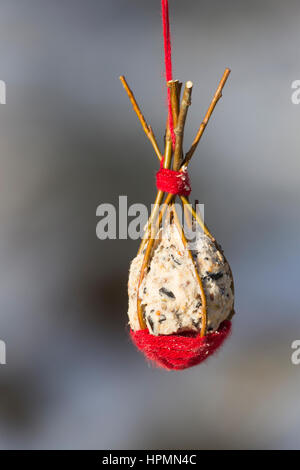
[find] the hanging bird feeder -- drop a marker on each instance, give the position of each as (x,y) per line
(181,294)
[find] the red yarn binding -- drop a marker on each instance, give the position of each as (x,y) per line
(168,60)
(177,352)
(174,182)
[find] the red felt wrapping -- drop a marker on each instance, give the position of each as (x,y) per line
(178,352)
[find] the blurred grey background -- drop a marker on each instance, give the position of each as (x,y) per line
(69,141)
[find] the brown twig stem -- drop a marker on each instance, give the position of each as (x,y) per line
(179,129)
(209,112)
(175,87)
(153,227)
(202,293)
(197,218)
(148,129)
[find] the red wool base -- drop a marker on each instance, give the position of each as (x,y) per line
(177,352)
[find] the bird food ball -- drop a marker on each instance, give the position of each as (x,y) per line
(170,293)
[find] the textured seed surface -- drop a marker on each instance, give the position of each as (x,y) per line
(170,293)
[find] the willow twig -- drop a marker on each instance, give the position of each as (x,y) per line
(179,129)
(148,129)
(202,293)
(147,235)
(152,229)
(175,88)
(197,218)
(209,112)
(179,117)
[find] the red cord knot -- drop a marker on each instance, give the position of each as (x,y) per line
(173,182)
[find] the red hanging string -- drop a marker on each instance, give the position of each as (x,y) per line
(168,60)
